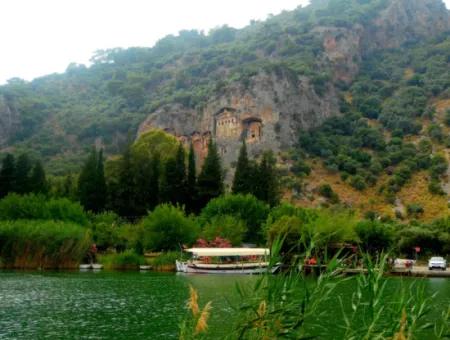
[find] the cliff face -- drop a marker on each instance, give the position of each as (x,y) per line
(407,20)
(9,121)
(267,115)
(273,109)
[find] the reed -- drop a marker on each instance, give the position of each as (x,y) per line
(42,244)
(195,324)
(127,260)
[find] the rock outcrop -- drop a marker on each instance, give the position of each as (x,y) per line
(407,20)
(268,115)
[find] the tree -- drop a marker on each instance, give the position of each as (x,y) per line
(38,181)
(91,183)
(191,184)
(242,182)
(374,236)
(23,169)
(100,182)
(154,182)
(143,181)
(244,207)
(227,227)
(267,186)
(168,228)
(123,195)
(174,185)
(210,179)
(7,175)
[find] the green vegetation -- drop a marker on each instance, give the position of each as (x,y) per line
(291,305)
(122,261)
(91,183)
(168,228)
(30,244)
(38,207)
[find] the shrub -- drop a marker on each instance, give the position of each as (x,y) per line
(16,207)
(374,236)
(166,261)
(43,244)
(414,209)
(227,227)
(447,118)
(105,230)
(433,238)
(168,228)
(358,183)
(244,207)
(326,191)
(129,259)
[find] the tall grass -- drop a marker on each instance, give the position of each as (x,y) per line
(122,261)
(26,244)
(33,207)
(294,306)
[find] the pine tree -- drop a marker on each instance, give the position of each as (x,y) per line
(38,181)
(174,185)
(7,175)
(210,179)
(243,182)
(23,170)
(191,185)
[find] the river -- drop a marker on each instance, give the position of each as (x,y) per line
(131,305)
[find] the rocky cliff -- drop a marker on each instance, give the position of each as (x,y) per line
(273,109)
(264,84)
(267,114)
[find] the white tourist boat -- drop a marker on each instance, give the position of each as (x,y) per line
(226,261)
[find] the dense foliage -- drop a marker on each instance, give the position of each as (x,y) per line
(42,244)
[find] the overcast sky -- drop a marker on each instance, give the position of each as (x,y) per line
(39,37)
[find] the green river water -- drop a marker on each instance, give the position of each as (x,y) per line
(132,305)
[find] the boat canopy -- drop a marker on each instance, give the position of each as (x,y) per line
(229,251)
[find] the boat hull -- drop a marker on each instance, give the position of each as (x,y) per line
(185,267)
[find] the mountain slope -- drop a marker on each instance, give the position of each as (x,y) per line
(355,90)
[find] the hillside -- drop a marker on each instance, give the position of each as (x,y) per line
(354,93)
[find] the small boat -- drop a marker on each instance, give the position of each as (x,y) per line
(226,261)
(94,266)
(145,267)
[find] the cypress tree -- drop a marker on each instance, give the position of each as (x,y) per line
(243,179)
(7,175)
(100,194)
(267,188)
(87,182)
(38,181)
(174,184)
(125,194)
(68,187)
(154,181)
(23,170)
(210,179)
(191,185)
(143,180)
